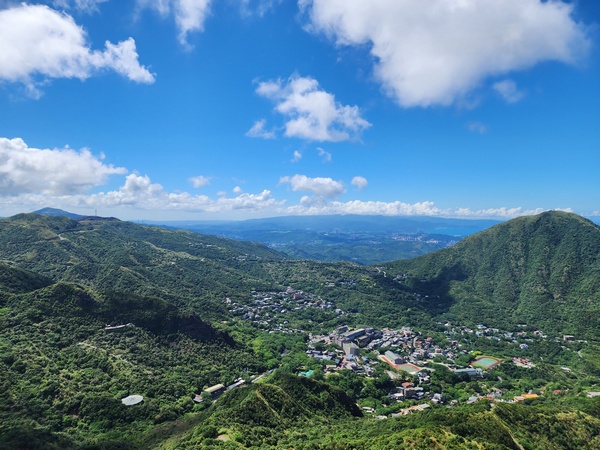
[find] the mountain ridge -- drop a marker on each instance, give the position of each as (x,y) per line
(518,272)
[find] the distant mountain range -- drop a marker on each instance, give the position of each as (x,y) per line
(360,239)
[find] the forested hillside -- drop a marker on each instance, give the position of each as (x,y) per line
(539,270)
(93,310)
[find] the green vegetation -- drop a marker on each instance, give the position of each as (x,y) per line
(543,271)
(94,310)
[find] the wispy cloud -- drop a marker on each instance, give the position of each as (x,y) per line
(312,113)
(86,6)
(297,156)
(189,15)
(508,90)
(437,52)
(477,127)
(325,155)
(258,130)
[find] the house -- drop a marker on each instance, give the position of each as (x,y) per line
(394,358)
(471,371)
(215,391)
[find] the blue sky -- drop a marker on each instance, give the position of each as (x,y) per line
(233,109)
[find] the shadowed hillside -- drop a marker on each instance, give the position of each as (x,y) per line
(541,270)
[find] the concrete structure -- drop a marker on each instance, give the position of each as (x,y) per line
(471,371)
(132,400)
(394,358)
(350,348)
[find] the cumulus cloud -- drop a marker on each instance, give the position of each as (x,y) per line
(317,206)
(64,171)
(139,192)
(323,187)
(436,52)
(312,113)
(314,207)
(508,90)
(237,190)
(297,156)
(39,43)
(502,213)
(200,181)
(258,130)
(359,182)
(189,15)
(325,155)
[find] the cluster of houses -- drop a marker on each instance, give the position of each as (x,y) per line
(411,347)
(519,338)
(268,309)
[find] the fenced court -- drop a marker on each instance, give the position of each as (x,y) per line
(486,362)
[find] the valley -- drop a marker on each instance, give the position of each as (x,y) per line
(492,343)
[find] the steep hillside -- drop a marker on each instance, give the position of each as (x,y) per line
(501,427)
(540,270)
(14,280)
(106,254)
(62,369)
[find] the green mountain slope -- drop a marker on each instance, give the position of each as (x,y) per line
(63,370)
(479,426)
(183,267)
(15,280)
(540,270)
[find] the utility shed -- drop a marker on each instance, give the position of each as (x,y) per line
(215,391)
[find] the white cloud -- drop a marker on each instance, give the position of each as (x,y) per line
(258,130)
(39,43)
(436,52)
(326,156)
(323,187)
(502,213)
(317,206)
(297,156)
(64,171)
(189,15)
(237,190)
(508,90)
(359,182)
(311,112)
(86,6)
(257,7)
(312,207)
(200,181)
(139,192)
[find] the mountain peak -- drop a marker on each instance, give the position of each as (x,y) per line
(57,212)
(541,270)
